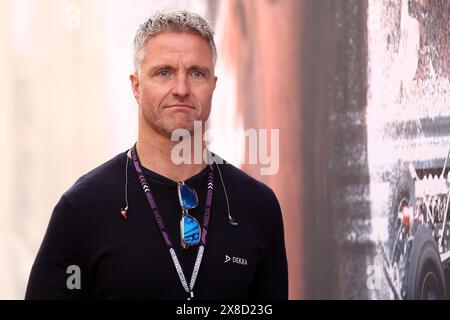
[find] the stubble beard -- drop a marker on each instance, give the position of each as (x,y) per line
(166,128)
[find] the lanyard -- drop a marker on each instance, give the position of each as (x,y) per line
(162,227)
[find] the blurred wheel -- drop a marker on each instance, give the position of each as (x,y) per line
(426,280)
(430,286)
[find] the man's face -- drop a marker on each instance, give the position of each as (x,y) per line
(176,82)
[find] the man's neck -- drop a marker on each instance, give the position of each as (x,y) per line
(156,155)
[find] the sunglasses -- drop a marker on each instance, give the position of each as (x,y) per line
(190,228)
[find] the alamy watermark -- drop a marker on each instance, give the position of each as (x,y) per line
(258,147)
(74,279)
(73,17)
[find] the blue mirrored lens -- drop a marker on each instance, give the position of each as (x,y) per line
(191,230)
(188,196)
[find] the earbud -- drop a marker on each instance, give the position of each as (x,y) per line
(123,213)
(232,222)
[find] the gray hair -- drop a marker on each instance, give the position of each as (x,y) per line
(178,21)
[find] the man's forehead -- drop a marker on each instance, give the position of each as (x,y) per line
(170,40)
(176,61)
(188,51)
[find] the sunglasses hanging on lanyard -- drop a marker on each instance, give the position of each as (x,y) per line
(190,230)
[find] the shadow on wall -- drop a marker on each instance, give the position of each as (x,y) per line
(335,149)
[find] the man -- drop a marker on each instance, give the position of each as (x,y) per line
(141,226)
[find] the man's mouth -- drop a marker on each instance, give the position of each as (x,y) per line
(180,106)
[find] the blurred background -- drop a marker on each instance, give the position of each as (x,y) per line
(326,73)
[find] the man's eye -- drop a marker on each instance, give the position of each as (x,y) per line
(198,74)
(163,73)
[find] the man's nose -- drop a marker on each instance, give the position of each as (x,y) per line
(181,86)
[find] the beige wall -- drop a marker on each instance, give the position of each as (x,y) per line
(52,88)
(6,146)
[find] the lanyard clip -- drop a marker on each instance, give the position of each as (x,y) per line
(191,295)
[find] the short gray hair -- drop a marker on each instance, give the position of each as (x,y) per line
(177,21)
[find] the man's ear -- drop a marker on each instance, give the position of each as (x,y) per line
(215,83)
(135,86)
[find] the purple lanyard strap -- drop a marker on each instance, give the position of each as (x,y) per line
(162,227)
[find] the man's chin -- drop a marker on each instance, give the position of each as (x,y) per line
(181,129)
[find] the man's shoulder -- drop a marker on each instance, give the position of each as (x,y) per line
(250,196)
(103,179)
